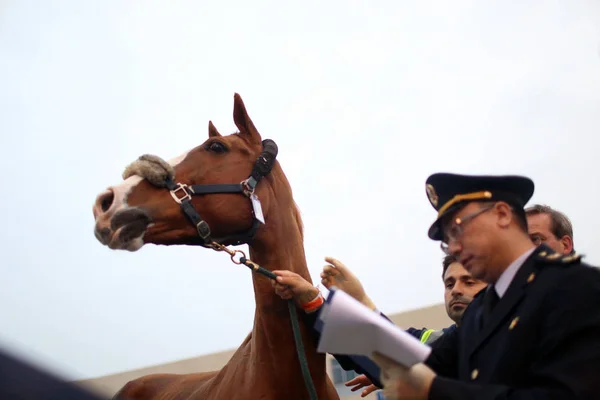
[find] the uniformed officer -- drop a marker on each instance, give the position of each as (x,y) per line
(534,332)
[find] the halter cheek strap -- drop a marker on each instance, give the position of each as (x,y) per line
(182,194)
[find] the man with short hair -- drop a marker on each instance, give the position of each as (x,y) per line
(533,332)
(550,226)
(459,288)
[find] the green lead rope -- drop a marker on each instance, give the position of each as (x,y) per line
(300,351)
(310,386)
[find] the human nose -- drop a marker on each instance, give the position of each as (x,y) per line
(453,248)
(457,289)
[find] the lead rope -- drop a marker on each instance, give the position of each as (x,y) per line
(300,352)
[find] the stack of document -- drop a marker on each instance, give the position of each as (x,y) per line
(350,328)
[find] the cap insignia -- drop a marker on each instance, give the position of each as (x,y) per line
(433,197)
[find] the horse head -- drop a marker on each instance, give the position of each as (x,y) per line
(206,196)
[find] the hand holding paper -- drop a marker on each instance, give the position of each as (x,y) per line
(350,328)
(401,383)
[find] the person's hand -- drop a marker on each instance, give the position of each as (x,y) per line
(337,274)
(289,285)
(360,382)
(401,383)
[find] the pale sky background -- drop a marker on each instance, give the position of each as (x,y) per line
(364,98)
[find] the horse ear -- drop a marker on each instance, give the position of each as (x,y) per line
(212,131)
(243,121)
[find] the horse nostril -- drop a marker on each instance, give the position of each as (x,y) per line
(103,234)
(105,200)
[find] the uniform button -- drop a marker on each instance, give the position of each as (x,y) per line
(474,374)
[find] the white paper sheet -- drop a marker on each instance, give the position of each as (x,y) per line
(351,328)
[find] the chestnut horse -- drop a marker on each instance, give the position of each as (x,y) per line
(155,203)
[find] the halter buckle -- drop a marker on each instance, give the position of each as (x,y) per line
(180,186)
(248,186)
(203,229)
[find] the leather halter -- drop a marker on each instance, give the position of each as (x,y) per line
(183,193)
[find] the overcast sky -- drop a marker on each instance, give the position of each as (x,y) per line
(365,99)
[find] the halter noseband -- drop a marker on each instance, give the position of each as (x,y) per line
(183,193)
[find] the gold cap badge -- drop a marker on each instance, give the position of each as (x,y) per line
(432,195)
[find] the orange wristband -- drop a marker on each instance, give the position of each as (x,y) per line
(314,304)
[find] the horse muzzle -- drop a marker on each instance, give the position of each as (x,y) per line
(124,230)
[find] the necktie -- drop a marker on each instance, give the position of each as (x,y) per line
(490,299)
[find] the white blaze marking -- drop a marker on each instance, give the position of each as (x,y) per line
(122,191)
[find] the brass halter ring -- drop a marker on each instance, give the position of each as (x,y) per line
(219,247)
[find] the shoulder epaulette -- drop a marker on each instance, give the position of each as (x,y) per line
(558,258)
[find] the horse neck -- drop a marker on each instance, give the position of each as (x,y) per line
(280,247)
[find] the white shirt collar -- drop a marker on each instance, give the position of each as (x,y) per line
(509,273)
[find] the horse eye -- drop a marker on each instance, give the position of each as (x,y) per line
(216,147)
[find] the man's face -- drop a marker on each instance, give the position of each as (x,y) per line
(474,245)
(459,289)
(540,232)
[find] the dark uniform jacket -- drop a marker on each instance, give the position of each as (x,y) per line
(541,341)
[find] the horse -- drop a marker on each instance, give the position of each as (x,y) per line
(230,190)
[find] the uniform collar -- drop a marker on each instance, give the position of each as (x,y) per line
(509,273)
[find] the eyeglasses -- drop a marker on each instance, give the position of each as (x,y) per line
(455,230)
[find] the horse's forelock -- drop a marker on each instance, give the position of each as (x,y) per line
(152,168)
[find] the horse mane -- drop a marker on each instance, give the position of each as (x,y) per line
(298,216)
(280,180)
